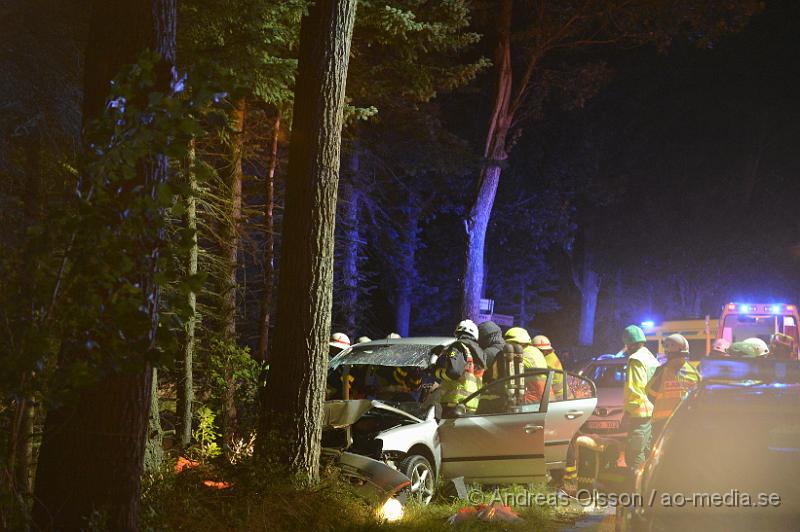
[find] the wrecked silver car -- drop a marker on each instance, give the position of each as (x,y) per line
(389,412)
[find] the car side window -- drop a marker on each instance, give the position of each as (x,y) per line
(511,396)
(578,387)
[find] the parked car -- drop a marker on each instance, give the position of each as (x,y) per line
(728,457)
(608,373)
(504,441)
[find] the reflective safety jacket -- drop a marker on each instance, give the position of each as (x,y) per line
(670,385)
(553,362)
(457,387)
(532,358)
(641,367)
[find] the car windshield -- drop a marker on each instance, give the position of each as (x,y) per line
(740,327)
(696,451)
(405,354)
(606,375)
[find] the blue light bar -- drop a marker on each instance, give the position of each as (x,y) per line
(776,309)
(647,324)
(744,309)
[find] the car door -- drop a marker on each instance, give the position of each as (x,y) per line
(566,413)
(503,441)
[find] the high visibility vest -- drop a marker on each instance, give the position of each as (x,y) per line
(455,391)
(532,358)
(553,362)
(669,386)
(641,367)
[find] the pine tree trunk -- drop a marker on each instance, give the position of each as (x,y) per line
(154,449)
(408,272)
(269,242)
(296,382)
(352,244)
(186,362)
(590,287)
(92,451)
(231,246)
(494,154)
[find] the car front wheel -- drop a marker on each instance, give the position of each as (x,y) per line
(419,470)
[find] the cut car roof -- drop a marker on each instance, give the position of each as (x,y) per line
(394,352)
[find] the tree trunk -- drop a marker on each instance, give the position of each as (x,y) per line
(91,457)
(231,248)
(494,154)
(269,242)
(185,364)
(352,244)
(299,359)
(590,287)
(408,272)
(154,449)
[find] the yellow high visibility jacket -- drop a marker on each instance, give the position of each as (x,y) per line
(456,390)
(641,367)
(553,362)
(670,385)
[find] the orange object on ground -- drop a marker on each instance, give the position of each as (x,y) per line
(218,485)
(185,463)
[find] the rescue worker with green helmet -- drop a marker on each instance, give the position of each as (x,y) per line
(532,358)
(672,382)
(459,368)
(542,343)
(637,406)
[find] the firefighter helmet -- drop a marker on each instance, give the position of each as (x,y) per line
(759,346)
(466,328)
(633,335)
(363,339)
(721,345)
(542,342)
(517,335)
(676,344)
(393,336)
(339,340)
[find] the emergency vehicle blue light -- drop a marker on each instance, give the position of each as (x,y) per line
(744,309)
(776,309)
(647,324)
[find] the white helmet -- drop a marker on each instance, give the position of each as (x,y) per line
(467,328)
(363,339)
(676,344)
(340,340)
(393,336)
(760,346)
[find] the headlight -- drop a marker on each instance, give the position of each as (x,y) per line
(392,510)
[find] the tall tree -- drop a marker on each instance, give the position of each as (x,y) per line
(91,458)
(531,39)
(296,382)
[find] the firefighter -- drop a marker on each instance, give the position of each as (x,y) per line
(749,348)
(490,338)
(542,343)
(459,368)
(532,358)
(720,348)
(672,382)
(338,343)
(638,408)
(781,346)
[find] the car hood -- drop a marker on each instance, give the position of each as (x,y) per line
(340,414)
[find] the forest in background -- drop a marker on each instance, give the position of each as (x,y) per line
(592,137)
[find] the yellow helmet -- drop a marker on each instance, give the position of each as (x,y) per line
(517,335)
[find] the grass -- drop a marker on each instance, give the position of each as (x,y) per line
(261,500)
